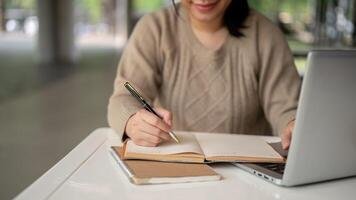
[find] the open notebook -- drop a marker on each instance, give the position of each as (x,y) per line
(205,147)
(152,172)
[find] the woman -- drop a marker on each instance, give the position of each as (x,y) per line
(207,65)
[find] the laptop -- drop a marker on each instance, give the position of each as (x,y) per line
(323,145)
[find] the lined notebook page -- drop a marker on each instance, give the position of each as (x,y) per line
(234,145)
(188,143)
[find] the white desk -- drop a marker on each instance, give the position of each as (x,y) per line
(89,172)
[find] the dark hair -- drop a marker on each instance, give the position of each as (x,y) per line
(234,17)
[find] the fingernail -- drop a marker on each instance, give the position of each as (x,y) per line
(283,146)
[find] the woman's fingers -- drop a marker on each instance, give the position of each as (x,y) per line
(142,138)
(144,143)
(153,120)
(147,129)
(152,130)
(149,138)
(165,114)
(287,135)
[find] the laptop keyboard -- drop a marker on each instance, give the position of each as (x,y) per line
(276,167)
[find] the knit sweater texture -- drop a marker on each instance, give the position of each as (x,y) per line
(248,86)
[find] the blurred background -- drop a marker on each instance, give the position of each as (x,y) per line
(58,61)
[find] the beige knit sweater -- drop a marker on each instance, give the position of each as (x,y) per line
(248,86)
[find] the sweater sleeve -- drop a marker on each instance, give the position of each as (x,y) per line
(139,64)
(279,81)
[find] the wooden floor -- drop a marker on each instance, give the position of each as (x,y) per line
(43,122)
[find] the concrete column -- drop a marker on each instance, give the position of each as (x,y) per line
(65,30)
(123,21)
(56,31)
(354,22)
(2,15)
(45,40)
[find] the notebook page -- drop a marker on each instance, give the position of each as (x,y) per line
(188,143)
(234,145)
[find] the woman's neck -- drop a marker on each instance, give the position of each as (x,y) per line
(212,35)
(208,27)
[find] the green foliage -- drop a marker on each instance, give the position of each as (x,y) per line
(24,4)
(297,8)
(92,7)
(147,5)
(264,6)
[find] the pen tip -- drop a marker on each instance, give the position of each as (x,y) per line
(176,139)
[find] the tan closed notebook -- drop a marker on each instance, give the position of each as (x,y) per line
(151,172)
(206,147)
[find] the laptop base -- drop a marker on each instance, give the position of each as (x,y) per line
(261,172)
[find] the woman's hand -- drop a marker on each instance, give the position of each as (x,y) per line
(287,135)
(146,129)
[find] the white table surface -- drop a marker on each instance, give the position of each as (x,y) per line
(89,172)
